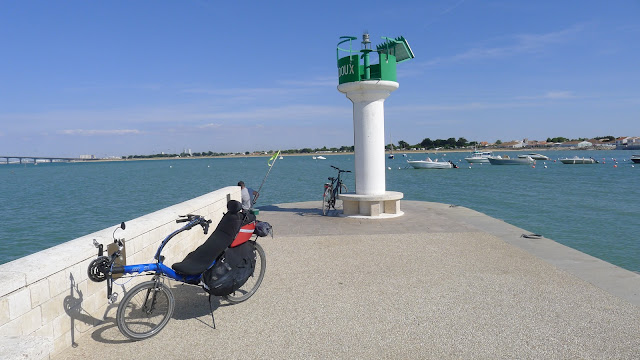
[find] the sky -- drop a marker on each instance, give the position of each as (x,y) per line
(113,78)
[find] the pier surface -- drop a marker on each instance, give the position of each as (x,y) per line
(439,282)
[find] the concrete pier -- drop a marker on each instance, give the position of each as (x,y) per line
(440,282)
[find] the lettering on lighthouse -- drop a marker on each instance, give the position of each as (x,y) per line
(347,69)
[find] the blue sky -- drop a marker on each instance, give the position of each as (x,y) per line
(141,77)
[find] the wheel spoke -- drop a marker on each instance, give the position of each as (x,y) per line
(145,310)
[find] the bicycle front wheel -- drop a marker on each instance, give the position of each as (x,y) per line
(253,283)
(145,310)
(326,200)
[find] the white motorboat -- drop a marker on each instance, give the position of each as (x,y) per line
(635,159)
(431,164)
(479,157)
(534,156)
(578,160)
(506,160)
(319,157)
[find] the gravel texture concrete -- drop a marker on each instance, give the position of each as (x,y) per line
(440,282)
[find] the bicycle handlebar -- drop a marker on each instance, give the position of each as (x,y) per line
(195,220)
(339,170)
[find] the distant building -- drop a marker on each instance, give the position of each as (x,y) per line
(621,141)
(576,144)
(87,157)
(512,144)
(569,144)
(537,144)
(628,143)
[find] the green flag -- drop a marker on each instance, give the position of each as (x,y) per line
(273,158)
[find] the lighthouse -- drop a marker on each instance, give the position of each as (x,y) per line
(367,85)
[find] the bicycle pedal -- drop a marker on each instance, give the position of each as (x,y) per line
(113,298)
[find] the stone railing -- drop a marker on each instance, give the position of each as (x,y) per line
(47,300)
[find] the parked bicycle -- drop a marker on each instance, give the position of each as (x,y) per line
(331,191)
(147,307)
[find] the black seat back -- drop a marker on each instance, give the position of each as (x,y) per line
(200,259)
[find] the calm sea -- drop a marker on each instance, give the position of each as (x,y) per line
(592,208)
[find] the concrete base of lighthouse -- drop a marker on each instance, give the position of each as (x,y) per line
(381,206)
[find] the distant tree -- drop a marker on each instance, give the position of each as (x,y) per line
(439,143)
(498,142)
(462,142)
(306,150)
(403,144)
(426,143)
(558,139)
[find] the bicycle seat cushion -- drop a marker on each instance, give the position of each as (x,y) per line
(200,259)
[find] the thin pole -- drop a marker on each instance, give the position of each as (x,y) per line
(274,158)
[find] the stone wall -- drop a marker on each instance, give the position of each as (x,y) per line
(47,300)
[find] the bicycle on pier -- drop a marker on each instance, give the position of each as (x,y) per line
(331,191)
(147,307)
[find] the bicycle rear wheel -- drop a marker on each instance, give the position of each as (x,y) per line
(253,283)
(145,310)
(326,200)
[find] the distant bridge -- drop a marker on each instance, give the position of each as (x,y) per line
(34,159)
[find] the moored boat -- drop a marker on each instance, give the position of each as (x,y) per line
(430,164)
(578,160)
(635,159)
(506,160)
(479,157)
(534,156)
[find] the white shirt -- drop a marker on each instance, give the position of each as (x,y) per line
(246,199)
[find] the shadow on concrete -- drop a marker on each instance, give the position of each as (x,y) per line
(299,211)
(73,308)
(191,303)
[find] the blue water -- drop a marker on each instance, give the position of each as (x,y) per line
(592,208)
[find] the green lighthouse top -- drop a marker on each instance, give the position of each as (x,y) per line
(390,52)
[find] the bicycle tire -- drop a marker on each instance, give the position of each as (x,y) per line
(135,319)
(326,200)
(253,283)
(343,189)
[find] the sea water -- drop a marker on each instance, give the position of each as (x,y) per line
(592,208)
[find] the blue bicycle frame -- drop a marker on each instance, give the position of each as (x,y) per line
(158,268)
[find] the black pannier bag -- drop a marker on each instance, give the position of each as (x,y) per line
(263,228)
(231,270)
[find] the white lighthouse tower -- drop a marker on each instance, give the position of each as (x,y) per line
(367,86)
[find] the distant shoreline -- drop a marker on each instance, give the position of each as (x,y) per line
(387,152)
